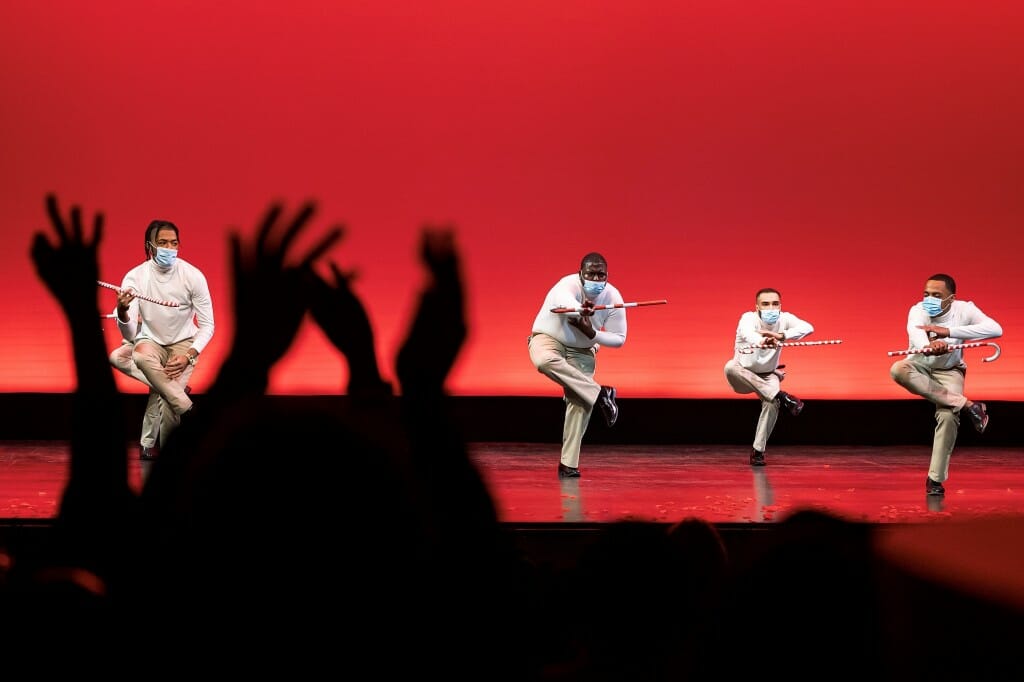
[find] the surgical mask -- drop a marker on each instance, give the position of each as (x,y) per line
(592,289)
(165,257)
(932,305)
(770,316)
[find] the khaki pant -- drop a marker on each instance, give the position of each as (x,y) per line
(162,414)
(945,388)
(573,370)
(766,386)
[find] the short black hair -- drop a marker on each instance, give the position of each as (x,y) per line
(766,290)
(945,279)
(592,257)
(154,227)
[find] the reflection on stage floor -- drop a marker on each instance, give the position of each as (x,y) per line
(884,484)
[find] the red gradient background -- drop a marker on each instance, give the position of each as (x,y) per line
(838,151)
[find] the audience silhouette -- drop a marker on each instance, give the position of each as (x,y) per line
(391,559)
(214,541)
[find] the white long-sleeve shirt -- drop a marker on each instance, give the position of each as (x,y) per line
(764,360)
(183,283)
(965,322)
(568,293)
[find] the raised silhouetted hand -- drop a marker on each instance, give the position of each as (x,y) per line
(343,319)
(269,288)
(270,293)
(484,582)
(438,330)
(69,267)
(97,505)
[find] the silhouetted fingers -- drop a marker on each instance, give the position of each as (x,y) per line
(306,211)
(76,224)
(438,249)
(343,277)
(324,245)
(269,220)
(55,217)
(97,230)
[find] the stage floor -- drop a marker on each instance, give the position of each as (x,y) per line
(662,483)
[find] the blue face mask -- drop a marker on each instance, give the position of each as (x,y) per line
(592,289)
(932,305)
(770,316)
(165,257)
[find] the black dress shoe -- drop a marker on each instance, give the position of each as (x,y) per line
(756,458)
(934,487)
(792,404)
(606,401)
(567,472)
(147,454)
(979,416)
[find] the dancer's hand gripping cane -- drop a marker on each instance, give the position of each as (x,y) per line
(583,321)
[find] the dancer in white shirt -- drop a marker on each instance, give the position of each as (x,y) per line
(757,370)
(563,347)
(937,375)
(165,340)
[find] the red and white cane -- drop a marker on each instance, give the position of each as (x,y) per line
(787,344)
(953,346)
(170,304)
(635,304)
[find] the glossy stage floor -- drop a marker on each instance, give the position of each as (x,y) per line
(970,542)
(662,483)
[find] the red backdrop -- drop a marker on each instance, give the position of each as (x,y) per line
(838,151)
